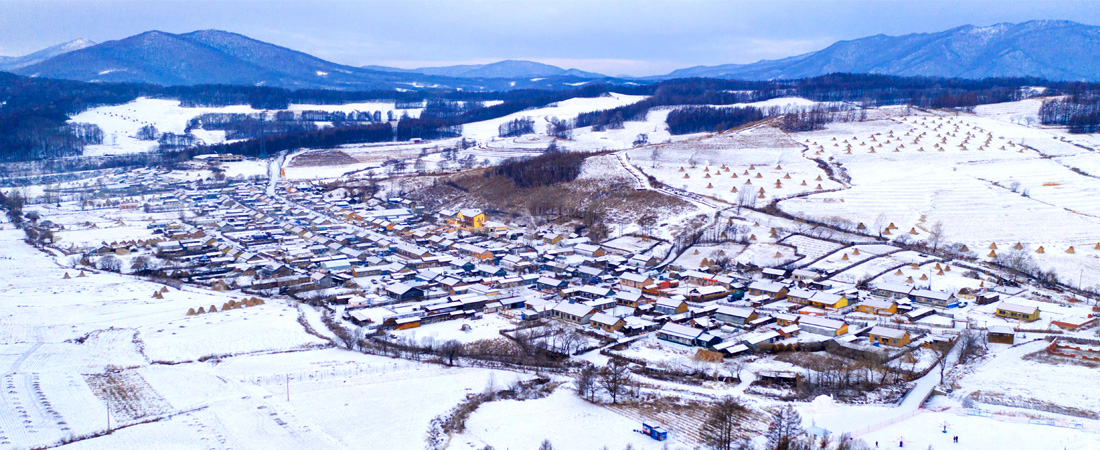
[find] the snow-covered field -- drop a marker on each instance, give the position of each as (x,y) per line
(73,349)
(120,123)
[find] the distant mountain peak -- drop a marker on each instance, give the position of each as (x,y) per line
(1051,49)
(224,57)
(12,63)
(507,68)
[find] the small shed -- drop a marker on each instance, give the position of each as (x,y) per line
(1000,335)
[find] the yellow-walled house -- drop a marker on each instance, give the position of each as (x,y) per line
(889,336)
(470,218)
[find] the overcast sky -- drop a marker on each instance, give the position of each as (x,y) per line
(633,37)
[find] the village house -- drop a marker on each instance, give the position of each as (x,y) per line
(403,292)
(817,299)
(635,280)
(589,250)
(803,276)
(606,322)
(878,307)
(889,336)
(573,312)
(786,320)
(669,306)
(822,326)
(685,335)
(631,299)
(701,294)
(1018,312)
(933,298)
(894,291)
(999,334)
(470,219)
(776,291)
(734,316)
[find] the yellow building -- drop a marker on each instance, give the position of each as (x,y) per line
(879,307)
(470,219)
(889,336)
(1018,312)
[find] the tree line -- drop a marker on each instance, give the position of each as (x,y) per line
(695,119)
(34,112)
(1078,112)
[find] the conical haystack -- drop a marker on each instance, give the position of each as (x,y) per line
(899,273)
(855,252)
(1070,250)
(190,311)
(66,277)
(993,246)
(909,280)
(1040,250)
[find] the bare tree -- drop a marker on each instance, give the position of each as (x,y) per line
(721,429)
(745,199)
(586,382)
(614,378)
(110,263)
(880,223)
(785,429)
(450,350)
(935,235)
(141,264)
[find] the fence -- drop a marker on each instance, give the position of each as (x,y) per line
(329,374)
(1024,419)
(980,413)
(886,423)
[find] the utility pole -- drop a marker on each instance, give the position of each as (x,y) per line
(108,413)
(288,387)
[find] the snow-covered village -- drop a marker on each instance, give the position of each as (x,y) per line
(770,265)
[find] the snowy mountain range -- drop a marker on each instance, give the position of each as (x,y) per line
(502,69)
(220,57)
(1051,49)
(8,63)
(1055,50)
